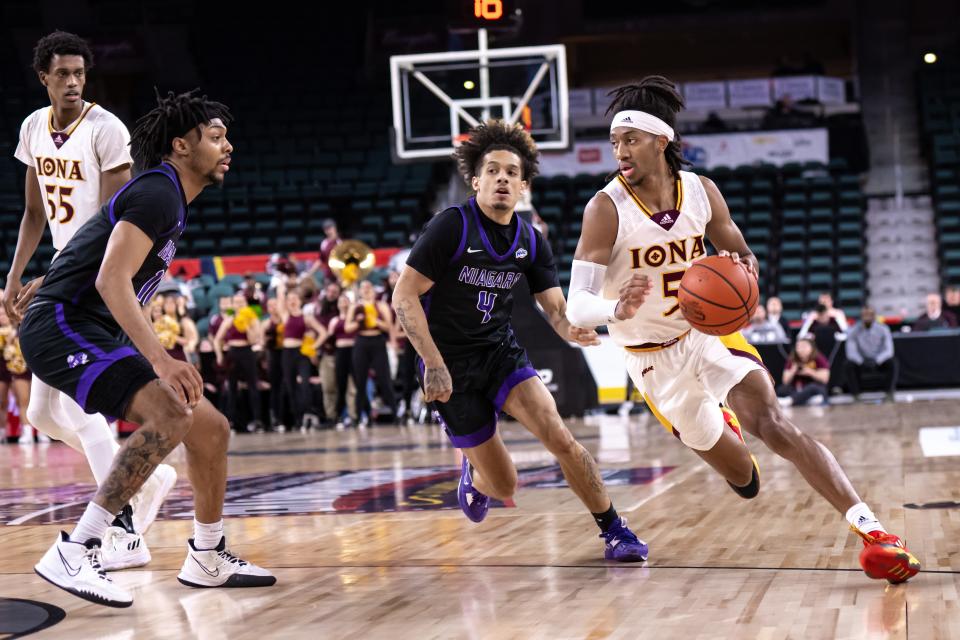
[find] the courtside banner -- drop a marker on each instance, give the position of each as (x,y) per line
(704,151)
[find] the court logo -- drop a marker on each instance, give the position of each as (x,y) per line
(307,493)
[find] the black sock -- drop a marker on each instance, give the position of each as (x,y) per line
(606,519)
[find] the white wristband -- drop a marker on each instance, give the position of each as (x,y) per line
(586,307)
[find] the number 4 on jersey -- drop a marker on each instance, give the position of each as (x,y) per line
(485,302)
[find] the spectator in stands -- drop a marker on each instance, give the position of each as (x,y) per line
(296,364)
(805,375)
(240,331)
(784,115)
(406,355)
(775,314)
(373,322)
(714,124)
(936,317)
(319,315)
(823,328)
(224,308)
(825,316)
(344,341)
(762,331)
(870,350)
(176,329)
(951,301)
(272,345)
(326,248)
(253,291)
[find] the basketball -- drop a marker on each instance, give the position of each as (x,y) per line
(718,296)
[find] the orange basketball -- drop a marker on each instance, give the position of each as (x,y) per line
(718,296)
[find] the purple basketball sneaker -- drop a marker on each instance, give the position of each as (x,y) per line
(622,544)
(473,503)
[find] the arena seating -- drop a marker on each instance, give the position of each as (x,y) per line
(940,126)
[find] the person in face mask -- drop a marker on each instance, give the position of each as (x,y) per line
(869,348)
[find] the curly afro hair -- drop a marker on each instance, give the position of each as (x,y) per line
(494,135)
(173,117)
(657,96)
(60,43)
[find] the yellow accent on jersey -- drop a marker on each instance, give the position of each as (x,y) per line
(656,414)
(738,342)
(76,123)
(639,202)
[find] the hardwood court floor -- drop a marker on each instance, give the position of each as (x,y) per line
(366,541)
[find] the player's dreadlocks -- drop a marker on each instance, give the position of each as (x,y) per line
(659,97)
(60,43)
(494,135)
(173,117)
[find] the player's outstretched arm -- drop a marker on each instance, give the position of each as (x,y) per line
(587,307)
(126,251)
(723,232)
(406,302)
(15,297)
(555,307)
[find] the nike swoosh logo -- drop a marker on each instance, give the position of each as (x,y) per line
(212,574)
(66,565)
(469,250)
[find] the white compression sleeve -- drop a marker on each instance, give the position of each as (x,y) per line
(585,307)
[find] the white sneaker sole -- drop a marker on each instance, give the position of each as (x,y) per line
(89,597)
(129,561)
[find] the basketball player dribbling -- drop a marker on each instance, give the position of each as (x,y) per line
(640,233)
(77,157)
(454,300)
(85,334)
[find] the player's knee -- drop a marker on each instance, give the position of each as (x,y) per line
(778,433)
(175,418)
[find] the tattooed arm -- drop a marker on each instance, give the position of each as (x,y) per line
(406,302)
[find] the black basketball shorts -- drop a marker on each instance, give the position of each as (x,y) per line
(481,384)
(78,354)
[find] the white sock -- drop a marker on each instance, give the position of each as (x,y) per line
(99,446)
(860,516)
(207,536)
(93,523)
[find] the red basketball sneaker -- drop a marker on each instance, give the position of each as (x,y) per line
(885,556)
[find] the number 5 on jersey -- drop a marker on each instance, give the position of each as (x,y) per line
(63,204)
(671,289)
(485,302)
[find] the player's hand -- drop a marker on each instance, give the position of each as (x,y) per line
(632,295)
(748,264)
(25,296)
(583,337)
(437,384)
(10,299)
(183,377)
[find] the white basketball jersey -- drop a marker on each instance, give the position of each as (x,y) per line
(661,246)
(69,163)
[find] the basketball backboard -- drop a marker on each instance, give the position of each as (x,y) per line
(437,97)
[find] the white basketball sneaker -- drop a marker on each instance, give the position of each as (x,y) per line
(220,568)
(76,568)
(123,550)
(146,503)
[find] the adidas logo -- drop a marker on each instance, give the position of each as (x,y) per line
(627,119)
(861,520)
(666,218)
